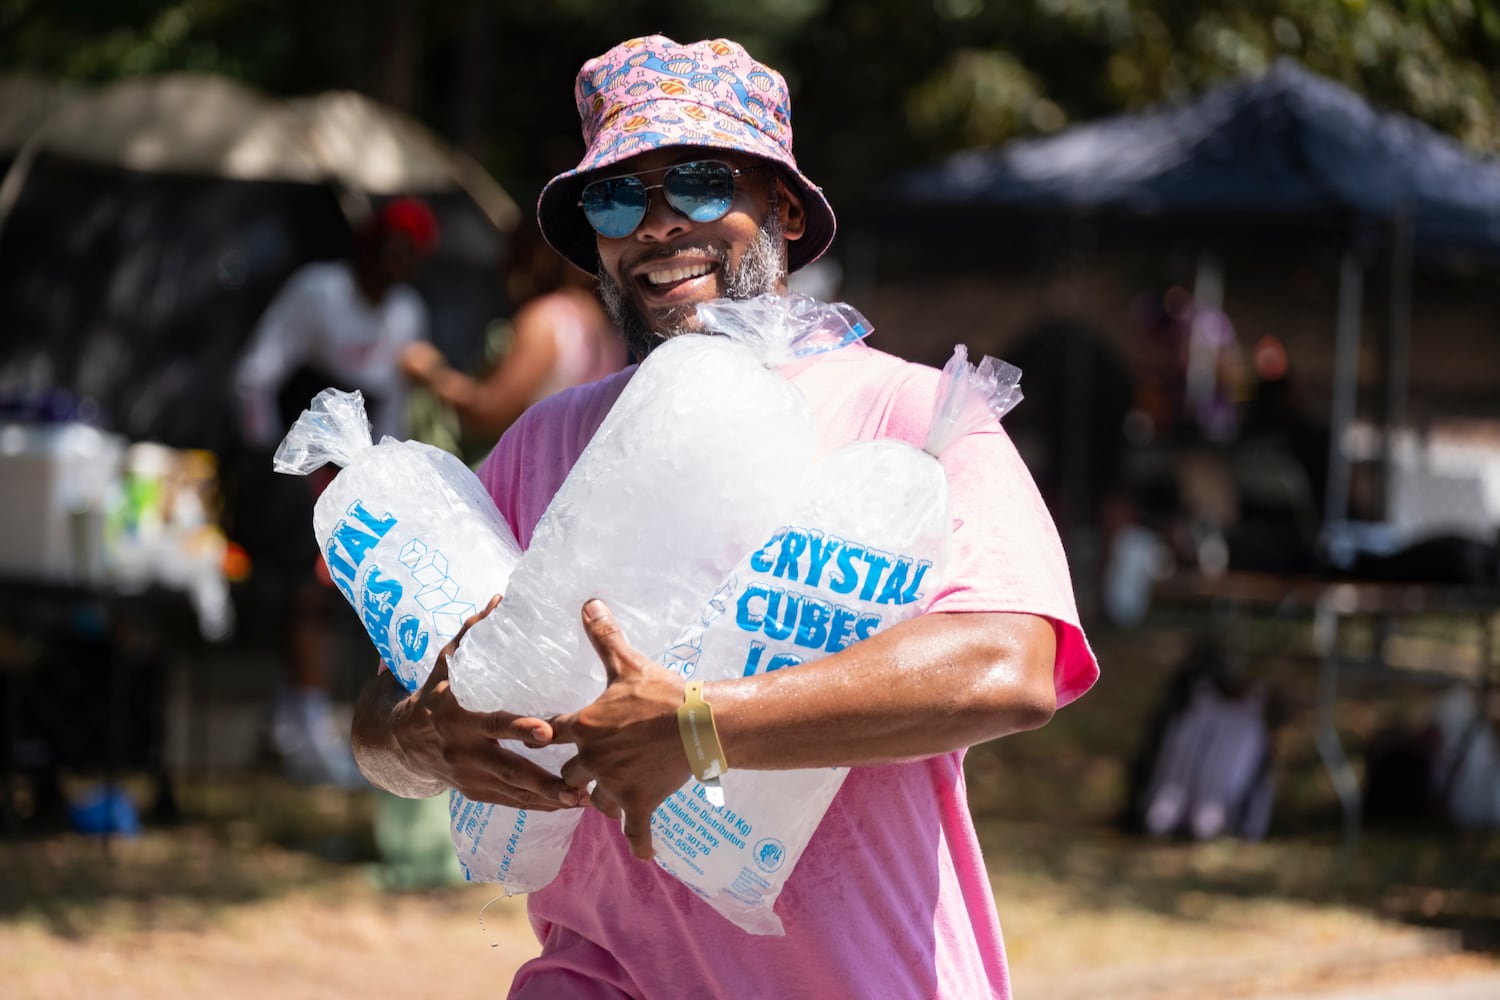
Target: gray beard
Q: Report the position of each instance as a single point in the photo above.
(760, 271)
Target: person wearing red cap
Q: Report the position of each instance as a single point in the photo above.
(687, 192)
(348, 319)
(345, 324)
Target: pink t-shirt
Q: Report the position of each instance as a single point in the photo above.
(891, 897)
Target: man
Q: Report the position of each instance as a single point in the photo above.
(688, 191)
(342, 323)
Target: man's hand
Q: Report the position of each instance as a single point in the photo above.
(628, 741)
(441, 740)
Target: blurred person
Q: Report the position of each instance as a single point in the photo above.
(687, 194)
(1192, 374)
(1071, 434)
(1279, 415)
(343, 324)
(560, 337)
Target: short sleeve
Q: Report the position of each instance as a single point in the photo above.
(1006, 555)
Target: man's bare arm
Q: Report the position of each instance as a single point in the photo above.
(935, 684)
(417, 744)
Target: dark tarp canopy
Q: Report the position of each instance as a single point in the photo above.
(1287, 144)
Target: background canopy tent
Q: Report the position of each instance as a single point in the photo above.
(145, 225)
(1289, 148)
(197, 124)
(1287, 143)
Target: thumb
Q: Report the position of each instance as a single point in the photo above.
(527, 729)
(605, 635)
(469, 623)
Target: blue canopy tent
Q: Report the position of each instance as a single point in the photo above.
(1286, 148)
(1288, 143)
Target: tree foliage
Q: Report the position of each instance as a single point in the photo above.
(878, 84)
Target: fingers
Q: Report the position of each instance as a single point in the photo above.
(515, 781)
(605, 803)
(637, 827)
(575, 775)
(605, 635)
(630, 822)
(478, 615)
(470, 622)
(517, 798)
(635, 821)
(441, 666)
(523, 728)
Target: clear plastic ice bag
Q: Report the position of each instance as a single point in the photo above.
(411, 538)
(691, 468)
(864, 547)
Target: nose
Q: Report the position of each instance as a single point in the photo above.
(662, 221)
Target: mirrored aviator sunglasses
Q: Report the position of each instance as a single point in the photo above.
(702, 190)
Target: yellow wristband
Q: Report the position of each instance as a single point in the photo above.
(695, 720)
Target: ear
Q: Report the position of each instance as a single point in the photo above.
(793, 215)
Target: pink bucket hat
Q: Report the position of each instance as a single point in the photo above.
(653, 93)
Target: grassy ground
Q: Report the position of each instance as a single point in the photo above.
(267, 891)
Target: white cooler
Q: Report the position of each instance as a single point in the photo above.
(56, 481)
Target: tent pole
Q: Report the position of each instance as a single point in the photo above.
(1078, 495)
(16, 175)
(1397, 356)
(1345, 386)
(1203, 352)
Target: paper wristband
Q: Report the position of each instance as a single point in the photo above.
(695, 720)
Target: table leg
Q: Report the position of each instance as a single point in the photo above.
(1488, 673)
(114, 729)
(10, 733)
(1330, 748)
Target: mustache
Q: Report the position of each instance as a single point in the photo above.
(665, 254)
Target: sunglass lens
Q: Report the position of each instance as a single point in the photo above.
(615, 206)
(702, 191)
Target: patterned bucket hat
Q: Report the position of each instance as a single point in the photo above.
(652, 93)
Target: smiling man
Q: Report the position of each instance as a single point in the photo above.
(688, 191)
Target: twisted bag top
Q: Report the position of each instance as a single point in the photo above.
(652, 93)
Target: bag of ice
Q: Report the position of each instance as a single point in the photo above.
(692, 467)
(862, 548)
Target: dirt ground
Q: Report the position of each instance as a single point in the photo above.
(271, 891)
(188, 914)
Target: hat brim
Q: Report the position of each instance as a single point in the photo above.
(562, 221)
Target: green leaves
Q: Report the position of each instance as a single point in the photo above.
(877, 84)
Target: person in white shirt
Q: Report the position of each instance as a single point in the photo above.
(337, 324)
(350, 320)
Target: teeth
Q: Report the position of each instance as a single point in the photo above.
(677, 274)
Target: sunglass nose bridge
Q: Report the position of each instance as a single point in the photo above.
(661, 214)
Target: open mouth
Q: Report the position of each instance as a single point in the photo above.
(665, 278)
